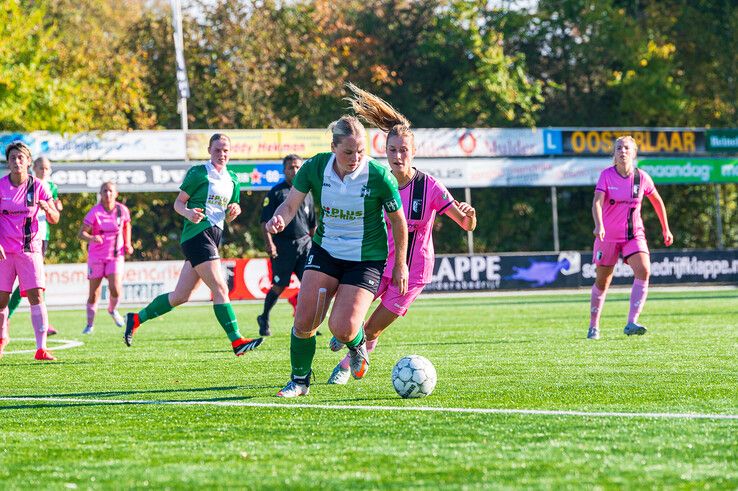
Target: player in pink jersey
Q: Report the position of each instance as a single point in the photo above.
(21, 198)
(107, 229)
(619, 231)
(423, 198)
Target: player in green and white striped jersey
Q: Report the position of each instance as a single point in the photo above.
(207, 199)
(349, 248)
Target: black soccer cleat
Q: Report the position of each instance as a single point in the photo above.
(132, 323)
(263, 326)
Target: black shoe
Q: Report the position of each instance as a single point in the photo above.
(263, 326)
(244, 344)
(132, 324)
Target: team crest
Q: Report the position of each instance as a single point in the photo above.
(365, 191)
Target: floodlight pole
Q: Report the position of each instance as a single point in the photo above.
(183, 87)
(718, 218)
(555, 217)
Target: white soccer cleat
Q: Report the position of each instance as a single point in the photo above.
(359, 361)
(593, 333)
(335, 345)
(340, 376)
(88, 330)
(117, 318)
(632, 328)
(293, 389)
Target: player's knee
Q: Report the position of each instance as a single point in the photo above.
(277, 289)
(176, 298)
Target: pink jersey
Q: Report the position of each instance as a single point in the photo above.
(108, 225)
(19, 214)
(621, 211)
(422, 198)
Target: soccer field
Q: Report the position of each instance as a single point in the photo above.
(523, 400)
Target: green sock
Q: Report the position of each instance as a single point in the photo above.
(357, 340)
(159, 306)
(15, 300)
(227, 318)
(302, 352)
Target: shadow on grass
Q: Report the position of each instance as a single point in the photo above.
(118, 393)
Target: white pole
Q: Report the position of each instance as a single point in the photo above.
(183, 87)
(469, 234)
(555, 216)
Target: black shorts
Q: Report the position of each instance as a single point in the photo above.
(364, 274)
(291, 258)
(203, 247)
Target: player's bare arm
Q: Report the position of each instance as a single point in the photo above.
(285, 212)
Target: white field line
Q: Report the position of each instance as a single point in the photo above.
(463, 410)
(64, 344)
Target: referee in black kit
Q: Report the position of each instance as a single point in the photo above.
(288, 249)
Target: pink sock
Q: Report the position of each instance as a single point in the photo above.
(4, 324)
(638, 295)
(91, 310)
(113, 304)
(40, 321)
(596, 302)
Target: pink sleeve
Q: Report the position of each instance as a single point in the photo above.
(601, 185)
(441, 198)
(89, 218)
(648, 185)
(126, 214)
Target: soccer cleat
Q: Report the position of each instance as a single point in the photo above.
(335, 345)
(241, 346)
(50, 331)
(43, 355)
(88, 330)
(117, 318)
(632, 328)
(593, 333)
(263, 326)
(132, 323)
(359, 360)
(339, 376)
(293, 301)
(294, 389)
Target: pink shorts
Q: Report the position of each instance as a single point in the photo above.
(606, 253)
(28, 267)
(104, 268)
(391, 298)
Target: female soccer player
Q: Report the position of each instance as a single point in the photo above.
(208, 197)
(423, 198)
(107, 229)
(21, 198)
(42, 171)
(349, 248)
(616, 209)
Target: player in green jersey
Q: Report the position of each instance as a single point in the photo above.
(349, 248)
(207, 199)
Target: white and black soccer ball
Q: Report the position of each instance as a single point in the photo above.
(414, 376)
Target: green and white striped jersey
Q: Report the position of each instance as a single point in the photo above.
(212, 191)
(350, 219)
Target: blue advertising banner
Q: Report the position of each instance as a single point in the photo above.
(573, 269)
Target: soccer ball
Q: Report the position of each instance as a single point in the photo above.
(414, 376)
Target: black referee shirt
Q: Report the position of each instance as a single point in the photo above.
(304, 220)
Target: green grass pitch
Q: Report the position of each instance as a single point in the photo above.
(516, 352)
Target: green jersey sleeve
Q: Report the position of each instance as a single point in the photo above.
(305, 178)
(236, 188)
(192, 180)
(389, 193)
(54, 190)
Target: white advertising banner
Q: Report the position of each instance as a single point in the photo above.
(107, 145)
(468, 142)
(67, 284)
(482, 173)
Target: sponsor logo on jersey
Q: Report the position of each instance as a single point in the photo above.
(326, 184)
(342, 214)
(214, 199)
